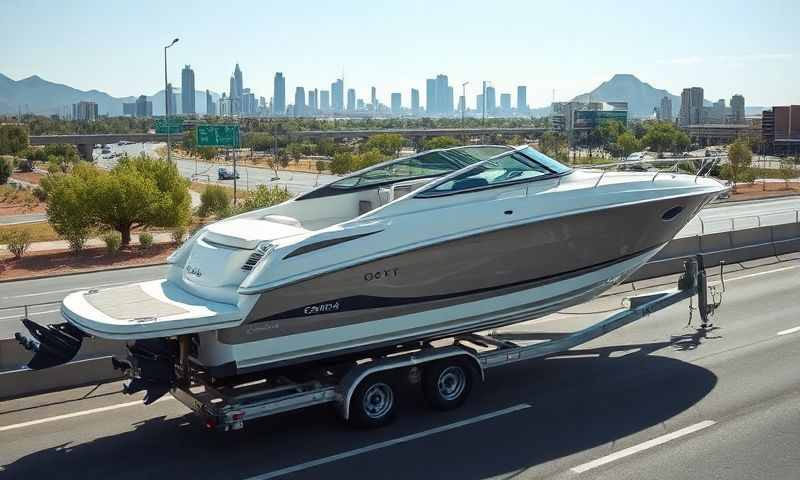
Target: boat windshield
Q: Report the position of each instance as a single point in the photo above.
(429, 164)
(517, 166)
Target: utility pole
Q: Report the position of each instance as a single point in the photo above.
(166, 100)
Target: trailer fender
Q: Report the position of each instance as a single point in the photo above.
(357, 374)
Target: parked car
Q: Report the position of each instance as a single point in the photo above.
(225, 174)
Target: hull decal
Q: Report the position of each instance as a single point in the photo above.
(365, 302)
(325, 243)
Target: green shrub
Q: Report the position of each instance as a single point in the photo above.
(264, 196)
(146, 240)
(18, 242)
(40, 194)
(76, 239)
(113, 241)
(178, 234)
(5, 171)
(214, 200)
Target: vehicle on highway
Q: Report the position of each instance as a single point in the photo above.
(439, 244)
(225, 174)
(106, 149)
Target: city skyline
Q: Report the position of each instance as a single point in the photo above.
(565, 58)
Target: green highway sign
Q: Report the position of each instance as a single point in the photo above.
(173, 125)
(218, 135)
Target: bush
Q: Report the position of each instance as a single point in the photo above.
(113, 241)
(76, 239)
(264, 196)
(5, 171)
(178, 234)
(214, 200)
(146, 240)
(18, 242)
(40, 194)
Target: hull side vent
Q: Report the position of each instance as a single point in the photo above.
(251, 262)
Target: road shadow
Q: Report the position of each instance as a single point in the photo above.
(579, 400)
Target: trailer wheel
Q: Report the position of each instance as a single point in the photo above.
(446, 384)
(374, 402)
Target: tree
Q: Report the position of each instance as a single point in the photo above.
(13, 139)
(137, 192)
(786, 172)
(440, 142)
(5, 170)
(279, 160)
(367, 159)
(628, 144)
(387, 143)
(660, 137)
(258, 141)
(70, 208)
(214, 199)
(342, 163)
(739, 158)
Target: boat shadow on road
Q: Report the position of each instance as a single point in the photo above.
(579, 400)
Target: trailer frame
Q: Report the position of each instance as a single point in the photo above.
(226, 407)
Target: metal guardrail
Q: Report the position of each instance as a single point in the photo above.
(759, 222)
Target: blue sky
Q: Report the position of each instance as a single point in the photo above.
(727, 47)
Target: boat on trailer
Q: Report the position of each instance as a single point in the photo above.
(437, 245)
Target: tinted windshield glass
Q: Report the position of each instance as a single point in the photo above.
(507, 169)
(539, 157)
(431, 164)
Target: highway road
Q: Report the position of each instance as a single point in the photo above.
(250, 177)
(658, 399)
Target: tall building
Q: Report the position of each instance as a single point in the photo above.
(665, 111)
(324, 100)
(444, 95)
(491, 101)
(312, 102)
(522, 99)
(351, 100)
(479, 103)
(505, 102)
(397, 104)
(337, 96)
(144, 108)
(279, 95)
(414, 101)
(238, 83)
(299, 102)
(430, 96)
(170, 99)
(737, 109)
(780, 129)
(187, 91)
(211, 107)
(462, 105)
(374, 99)
(84, 111)
(691, 106)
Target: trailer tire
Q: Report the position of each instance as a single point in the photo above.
(446, 384)
(374, 402)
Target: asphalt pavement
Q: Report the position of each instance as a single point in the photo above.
(659, 399)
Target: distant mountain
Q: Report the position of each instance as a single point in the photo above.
(39, 96)
(642, 98)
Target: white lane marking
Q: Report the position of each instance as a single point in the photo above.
(791, 330)
(643, 446)
(30, 314)
(388, 443)
(73, 289)
(77, 414)
(758, 274)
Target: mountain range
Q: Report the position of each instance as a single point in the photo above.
(39, 96)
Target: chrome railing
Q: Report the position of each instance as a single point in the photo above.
(706, 164)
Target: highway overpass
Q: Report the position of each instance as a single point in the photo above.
(84, 142)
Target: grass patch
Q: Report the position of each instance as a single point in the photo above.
(40, 231)
(11, 195)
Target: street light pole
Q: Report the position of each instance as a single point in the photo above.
(166, 100)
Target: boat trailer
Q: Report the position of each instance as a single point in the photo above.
(364, 391)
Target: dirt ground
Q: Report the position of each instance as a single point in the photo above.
(56, 262)
(753, 191)
(30, 177)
